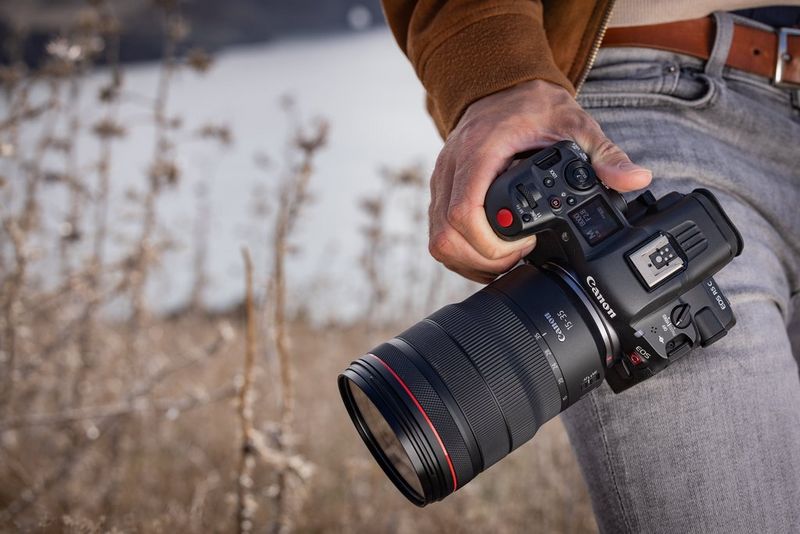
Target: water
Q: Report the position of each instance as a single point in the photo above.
(360, 83)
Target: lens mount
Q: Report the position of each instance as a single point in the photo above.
(602, 327)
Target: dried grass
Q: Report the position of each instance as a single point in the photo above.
(199, 421)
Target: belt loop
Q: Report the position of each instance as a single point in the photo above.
(722, 44)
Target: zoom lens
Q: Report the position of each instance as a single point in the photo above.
(458, 391)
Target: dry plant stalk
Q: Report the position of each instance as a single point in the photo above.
(379, 243)
(163, 171)
(55, 381)
(107, 130)
(293, 197)
(202, 227)
(245, 503)
(375, 246)
(19, 229)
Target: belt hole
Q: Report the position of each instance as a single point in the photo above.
(756, 51)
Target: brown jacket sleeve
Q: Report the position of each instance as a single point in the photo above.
(463, 50)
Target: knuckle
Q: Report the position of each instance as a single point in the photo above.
(605, 146)
(440, 246)
(458, 215)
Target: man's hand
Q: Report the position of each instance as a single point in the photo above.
(529, 115)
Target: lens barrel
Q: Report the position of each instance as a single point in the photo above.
(475, 380)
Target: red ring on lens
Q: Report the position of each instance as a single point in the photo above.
(427, 419)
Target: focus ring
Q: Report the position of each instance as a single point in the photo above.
(543, 401)
(467, 387)
(508, 357)
(433, 408)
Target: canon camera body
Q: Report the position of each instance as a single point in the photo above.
(616, 290)
(646, 266)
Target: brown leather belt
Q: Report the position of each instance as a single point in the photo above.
(774, 55)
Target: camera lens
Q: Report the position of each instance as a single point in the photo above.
(458, 391)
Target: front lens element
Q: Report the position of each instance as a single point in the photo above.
(384, 437)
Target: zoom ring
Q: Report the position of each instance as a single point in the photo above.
(506, 354)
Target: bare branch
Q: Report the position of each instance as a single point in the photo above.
(245, 503)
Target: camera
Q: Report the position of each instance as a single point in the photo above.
(613, 291)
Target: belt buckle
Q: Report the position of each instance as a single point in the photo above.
(783, 56)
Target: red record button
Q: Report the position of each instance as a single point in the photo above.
(504, 217)
(635, 358)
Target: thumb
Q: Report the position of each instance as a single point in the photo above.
(614, 167)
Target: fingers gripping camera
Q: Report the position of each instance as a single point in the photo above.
(646, 266)
(612, 290)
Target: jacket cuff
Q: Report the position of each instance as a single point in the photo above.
(485, 57)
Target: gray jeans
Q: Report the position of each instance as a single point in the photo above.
(712, 444)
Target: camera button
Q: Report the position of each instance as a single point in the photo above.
(529, 193)
(549, 182)
(580, 176)
(504, 217)
(681, 315)
(555, 203)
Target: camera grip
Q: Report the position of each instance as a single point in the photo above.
(536, 192)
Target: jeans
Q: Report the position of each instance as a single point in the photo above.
(712, 444)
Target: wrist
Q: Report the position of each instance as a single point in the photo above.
(517, 100)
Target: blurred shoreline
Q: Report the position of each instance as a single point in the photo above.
(361, 84)
(215, 25)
